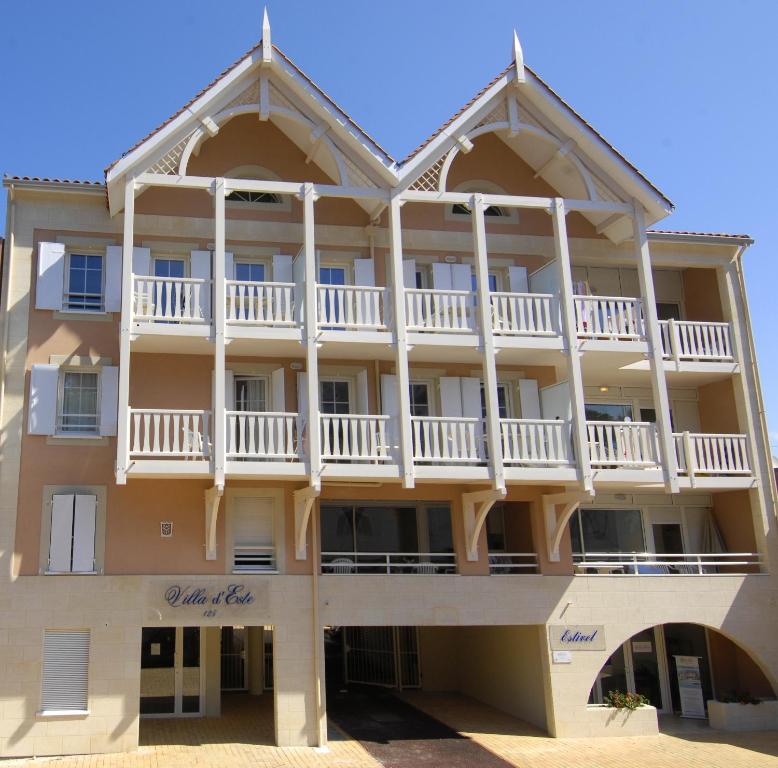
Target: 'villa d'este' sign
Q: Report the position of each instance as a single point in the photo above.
(233, 595)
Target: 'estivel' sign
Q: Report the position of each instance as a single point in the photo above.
(577, 637)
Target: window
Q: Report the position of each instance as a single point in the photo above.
(84, 291)
(608, 412)
(460, 209)
(79, 403)
(65, 682)
(334, 397)
(250, 271)
(668, 310)
(253, 534)
(253, 197)
(72, 533)
(502, 401)
(607, 531)
(250, 393)
(420, 398)
(495, 529)
(492, 282)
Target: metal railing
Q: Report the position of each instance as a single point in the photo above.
(524, 314)
(413, 563)
(171, 299)
(262, 435)
(711, 454)
(354, 437)
(253, 559)
(693, 340)
(608, 317)
(652, 564)
(169, 434)
(439, 311)
(351, 307)
(622, 444)
(536, 442)
(512, 562)
(445, 440)
(259, 303)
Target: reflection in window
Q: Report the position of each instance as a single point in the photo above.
(607, 531)
(79, 402)
(85, 283)
(254, 197)
(463, 210)
(608, 412)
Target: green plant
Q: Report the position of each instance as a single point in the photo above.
(621, 700)
(736, 697)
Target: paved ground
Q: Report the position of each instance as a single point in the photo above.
(244, 737)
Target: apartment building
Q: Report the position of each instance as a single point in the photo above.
(281, 413)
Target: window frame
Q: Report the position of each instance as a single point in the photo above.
(236, 377)
(59, 431)
(276, 496)
(257, 172)
(509, 215)
(70, 713)
(66, 292)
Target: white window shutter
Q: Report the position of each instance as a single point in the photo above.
(364, 272)
(390, 406)
(441, 277)
(61, 537)
(200, 268)
(109, 399)
(252, 522)
(84, 517)
(141, 261)
(50, 285)
(556, 401)
(65, 678)
(113, 278)
(229, 390)
(278, 385)
(282, 268)
(517, 277)
(409, 273)
(298, 278)
(229, 266)
(42, 415)
(529, 397)
(461, 277)
(362, 395)
(450, 397)
(302, 398)
(471, 398)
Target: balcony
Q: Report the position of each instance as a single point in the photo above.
(508, 563)
(713, 460)
(622, 444)
(171, 300)
(262, 436)
(260, 304)
(354, 438)
(654, 564)
(701, 348)
(524, 314)
(351, 307)
(536, 442)
(448, 441)
(388, 563)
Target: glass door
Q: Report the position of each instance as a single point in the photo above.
(333, 311)
(168, 300)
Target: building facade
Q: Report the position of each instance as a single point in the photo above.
(280, 411)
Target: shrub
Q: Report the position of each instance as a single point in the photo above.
(735, 697)
(621, 700)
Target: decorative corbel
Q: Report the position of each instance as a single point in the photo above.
(213, 497)
(267, 43)
(513, 115)
(518, 60)
(475, 508)
(465, 145)
(317, 135)
(555, 520)
(303, 505)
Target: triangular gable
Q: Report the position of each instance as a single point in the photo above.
(278, 91)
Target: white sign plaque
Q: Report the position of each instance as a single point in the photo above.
(562, 657)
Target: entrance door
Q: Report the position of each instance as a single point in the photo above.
(233, 659)
(384, 656)
(171, 683)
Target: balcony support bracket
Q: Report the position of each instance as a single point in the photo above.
(303, 505)
(213, 497)
(475, 508)
(556, 519)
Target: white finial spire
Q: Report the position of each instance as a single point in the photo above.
(267, 46)
(518, 58)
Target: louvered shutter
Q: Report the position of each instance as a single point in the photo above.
(441, 276)
(298, 278)
(200, 267)
(278, 387)
(65, 684)
(109, 399)
(84, 517)
(450, 396)
(530, 399)
(302, 399)
(141, 261)
(252, 523)
(362, 394)
(50, 284)
(461, 277)
(229, 266)
(409, 273)
(471, 398)
(42, 414)
(282, 268)
(517, 277)
(61, 536)
(113, 278)
(390, 407)
(364, 272)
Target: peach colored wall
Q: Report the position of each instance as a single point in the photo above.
(732, 511)
(734, 671)
(701, 295)
(244, 140)
(718, 413)
(518, 527)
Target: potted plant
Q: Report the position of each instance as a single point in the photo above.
(740, 711)
(622, 700)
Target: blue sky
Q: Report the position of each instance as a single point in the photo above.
(685, 89)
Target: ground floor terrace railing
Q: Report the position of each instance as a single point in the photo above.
(609, 317)
(169, 434)
(692, 340)
(260, 303)
(393, 563)
(622, 444)
(262, 436)
(351, 307)
(653, 564)
(447, 440)
(505, 563)
(712, 455)
(540, 442)
(354, 438)
(171, 300)
(524, 314)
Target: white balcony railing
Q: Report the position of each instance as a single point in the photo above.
(536, 442)
(439, 311)
(171, 299)
(608, 317)
(354, 438)
(169, 434)
(351, 307)
(689, 340)
(262, 435)
(524, 314)
(512, 562)
(622, 444)
(259, 303)
(652, 564)
(410, 563)
(253, 559)
(712, 455)
(441, 440)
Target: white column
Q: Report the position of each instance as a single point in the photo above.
(219, 395)
(401, 343)
(655, 357)
(311, 353)
(123, 424)
(574, 375)
(489, 363)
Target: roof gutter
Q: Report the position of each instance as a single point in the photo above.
(742, 241)
(41, 185)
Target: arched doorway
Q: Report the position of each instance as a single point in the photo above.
(653, 661)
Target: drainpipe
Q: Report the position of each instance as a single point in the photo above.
(318, 641)
(7, 251)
